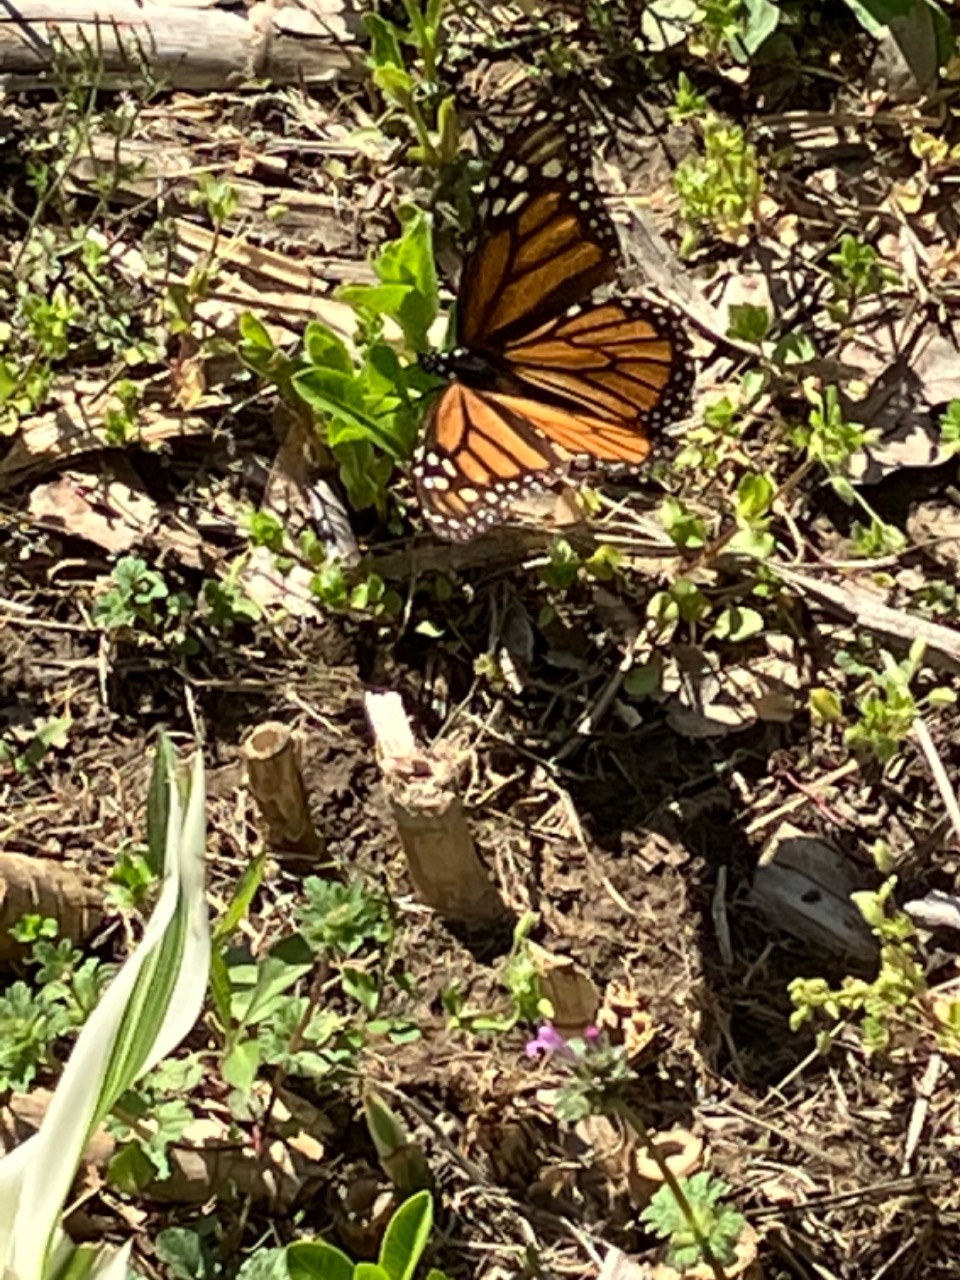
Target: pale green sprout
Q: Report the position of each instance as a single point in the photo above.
(151, 1005)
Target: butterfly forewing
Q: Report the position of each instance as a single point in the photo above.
(544, 238)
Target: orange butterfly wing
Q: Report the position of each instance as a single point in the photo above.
(591, 385)
(544, 240)
(539, 378)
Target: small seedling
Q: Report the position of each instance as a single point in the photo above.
(828, 436)
(893, 1011)
(876, 539)
(266, 1020)
(720, 190)
(858, 273)
(887, 709)
(404, 1243)
(521, 979)
(686, 529)
(719, 1225)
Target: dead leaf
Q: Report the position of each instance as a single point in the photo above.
(710, 696)
(109, 512)
(934, 527)
(804, 885)
(72, 430)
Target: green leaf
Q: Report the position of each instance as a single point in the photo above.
(686, 529)
(339, 397)
(384, 42)
(360, 985)
(406, 1236)
(762, 17)
(181, 1252)
(254, 332)
(395, 84)
(220, 990)
(316, 1260)
(825, 705)
(129, 1169)
(754, 494)
(376, 299)
(794, 348)
(158, 802)
(364, 473)
(748, 322)
(407, 262)
(875, 15)
(259, 989)
(941, 697)
(737, 623)
(418, 26)
(243, 894)
(448, 130)
(241, 1064)
(324, 348)
(642, 681)
(369, 1271)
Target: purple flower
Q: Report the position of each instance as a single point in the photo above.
(549, 1040)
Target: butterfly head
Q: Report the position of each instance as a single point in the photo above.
(468, 367)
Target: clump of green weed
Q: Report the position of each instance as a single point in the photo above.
(719, 190)
(887, 708)
(894, 1010)
(35, 1016)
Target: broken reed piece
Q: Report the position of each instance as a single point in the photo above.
(421, 785)
(573, 996)
(679, 1149)
(276, 783)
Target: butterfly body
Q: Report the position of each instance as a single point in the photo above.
(542, 374)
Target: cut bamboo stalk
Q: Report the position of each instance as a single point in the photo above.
(42, 887)
(573, 997)
(113, 41)
(276, 783)
(442, 859)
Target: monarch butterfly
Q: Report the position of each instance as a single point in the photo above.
(542, 375)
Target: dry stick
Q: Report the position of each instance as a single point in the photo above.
(947, 793)
(190, 49)
(276, 783)
(421, 786)
(921, 1109)
(863, 607)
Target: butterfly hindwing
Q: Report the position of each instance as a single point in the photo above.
(626, 360)
(481, 450)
